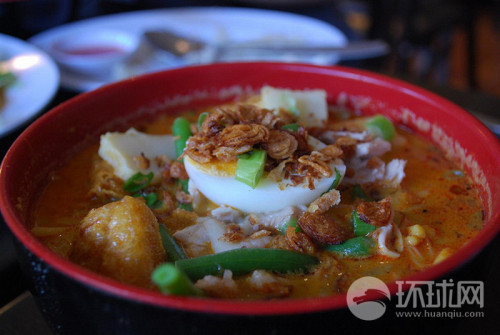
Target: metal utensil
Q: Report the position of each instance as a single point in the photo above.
(180, 46)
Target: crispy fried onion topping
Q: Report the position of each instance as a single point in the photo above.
(232, 130)
(322, 228)
(377, 213)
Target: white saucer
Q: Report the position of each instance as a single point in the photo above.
(37, 81)
(209, 24)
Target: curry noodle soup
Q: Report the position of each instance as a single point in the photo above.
(275, 196)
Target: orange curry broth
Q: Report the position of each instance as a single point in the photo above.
(445, 204)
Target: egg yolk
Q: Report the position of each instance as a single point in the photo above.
(215, 167)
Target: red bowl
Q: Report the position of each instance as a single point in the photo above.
(66, 129)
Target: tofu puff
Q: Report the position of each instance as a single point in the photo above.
(120, 240)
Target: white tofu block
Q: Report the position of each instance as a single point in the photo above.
(310, 105)
(121, 150)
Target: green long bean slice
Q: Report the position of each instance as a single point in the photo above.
(290, 223)
(381, 126)
(171, 280)
(250, 167)
(357, 247)
(137, 182)
(291, 126)
(182, 130)
(184, 184)
(172, 249)
(335, 182)
(241, 261)
(201, 119)
(361, 228)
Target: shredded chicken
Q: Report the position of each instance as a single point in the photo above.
(362, 155)
(195, 194)
(266, 283)
(194, 239)
(220, 287)
(377, 147)
(275, 220)
(221, 236)
(374, 170)
(394, 172)
(227, 214)
(105, 185)
(331, 136)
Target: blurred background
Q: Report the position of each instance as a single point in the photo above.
(450, 47)
(442, 42)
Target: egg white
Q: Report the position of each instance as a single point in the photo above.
(268, 196)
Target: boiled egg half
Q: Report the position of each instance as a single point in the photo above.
(216, 181)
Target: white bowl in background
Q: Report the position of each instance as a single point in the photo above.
(94, 51)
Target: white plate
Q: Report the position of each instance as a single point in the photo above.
(210, 24)
(36, 84)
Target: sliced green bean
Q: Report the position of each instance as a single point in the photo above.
(172, 249)
(250, 167)
(361, 246)
(335, 182)
(181, 128)
(186, 207)
(292, 126)
(152, 200)
(381, 126)
(241, 261)
(171, 280)
(290, 223)
(201, 119)
(137, 182)
(184, 185)
(361, 228)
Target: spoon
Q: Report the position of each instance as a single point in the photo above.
(180, 46)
